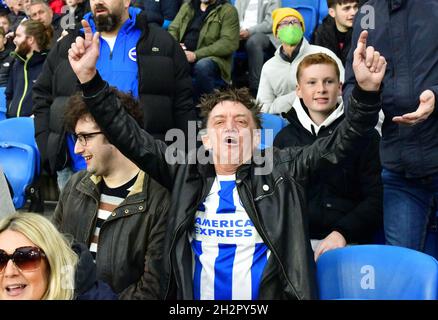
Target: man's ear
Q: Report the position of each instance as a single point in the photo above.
(31, 40)
(205, 139)
(340, 89)
(332, 12)
(257, 137)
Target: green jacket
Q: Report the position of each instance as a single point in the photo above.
(218, 38)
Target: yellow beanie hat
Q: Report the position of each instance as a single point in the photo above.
(281, 13)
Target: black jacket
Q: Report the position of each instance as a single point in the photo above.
(325, 36)
(130, 240)
(272, 193)
(164, 9)
(57, 29)
(165, 91)
(21, 80)
(346, 198)
(6, 61)
(405, 34)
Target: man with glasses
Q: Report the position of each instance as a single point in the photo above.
(278, 81)
(113, 207)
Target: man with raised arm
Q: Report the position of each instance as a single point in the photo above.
(237, 227)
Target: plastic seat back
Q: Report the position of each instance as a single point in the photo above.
(377, 272)
(271, 126)
(18, 163)
(20, 130)
(320, 6)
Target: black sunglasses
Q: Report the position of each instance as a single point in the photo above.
(25, 258)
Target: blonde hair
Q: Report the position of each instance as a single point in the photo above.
(62, 260)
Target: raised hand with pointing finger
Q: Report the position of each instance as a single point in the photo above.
(84, 53)
(368, 65)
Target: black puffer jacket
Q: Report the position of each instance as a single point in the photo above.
(165, 91)
(325, 36)
(272, 193)
(6, 61)
(346, 198)
(130, 240)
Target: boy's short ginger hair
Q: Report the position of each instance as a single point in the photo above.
(317, 58)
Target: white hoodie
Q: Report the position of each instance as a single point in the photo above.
(308, 123)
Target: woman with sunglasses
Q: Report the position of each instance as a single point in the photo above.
(37, 263)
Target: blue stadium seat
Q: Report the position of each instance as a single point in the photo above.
(310, 17)
(19, 158)
(273, 122)
(21, 130)
(377, 272)
(18, 163)
(319, 5)
(2, 103)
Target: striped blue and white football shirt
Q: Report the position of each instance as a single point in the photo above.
(229, 254)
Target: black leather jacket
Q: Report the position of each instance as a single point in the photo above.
(274, 201)
(130, 240)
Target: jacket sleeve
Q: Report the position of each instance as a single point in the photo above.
(228, 40)
(42, 98)
(58, 214)
(435, 91)
(175, 26)
(126, 135)
(271, 103)
(9, 91)
(184, 109)
(280, 104)
(350, 79)
(169, 9)
(266, 25)
(360, 118)
(364, 219)
(148, 287)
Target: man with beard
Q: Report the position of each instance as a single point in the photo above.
(136, 56)
(31, 40)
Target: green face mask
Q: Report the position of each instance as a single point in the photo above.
(290, 35)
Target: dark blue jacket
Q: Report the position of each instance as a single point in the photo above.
(405, 32)
(22, 76)
(166, 10)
